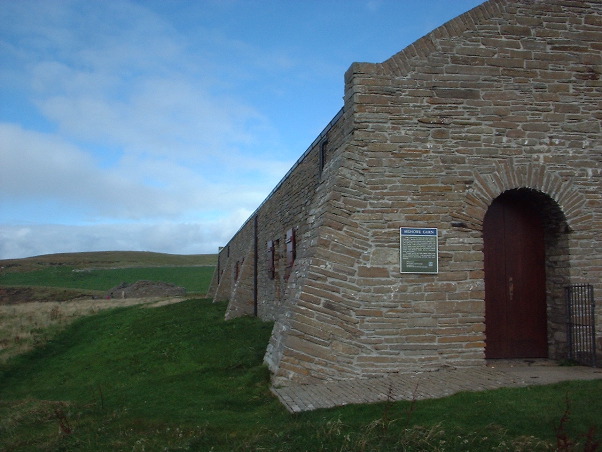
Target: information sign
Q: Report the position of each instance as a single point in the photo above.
(419, 250)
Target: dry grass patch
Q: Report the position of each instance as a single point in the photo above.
(26, 325)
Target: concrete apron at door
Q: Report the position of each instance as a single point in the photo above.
(429, 385)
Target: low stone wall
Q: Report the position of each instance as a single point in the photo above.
(143, 289)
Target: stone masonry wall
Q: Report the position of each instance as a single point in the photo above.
(504, 97)
(287, 208)
(507, 97)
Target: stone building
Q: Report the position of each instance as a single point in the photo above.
(439, 217)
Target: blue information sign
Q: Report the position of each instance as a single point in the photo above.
(419, 250)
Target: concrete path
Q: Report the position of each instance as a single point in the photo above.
(425, 385)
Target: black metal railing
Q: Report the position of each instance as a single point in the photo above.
(581, 325)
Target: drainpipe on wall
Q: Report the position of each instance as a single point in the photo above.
(218, 267)
(255, 261)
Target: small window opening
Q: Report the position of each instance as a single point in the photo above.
(271, 259)
(291, 248)
(323, 149)
(238, 268)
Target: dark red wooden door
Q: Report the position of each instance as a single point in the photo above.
(515, 289)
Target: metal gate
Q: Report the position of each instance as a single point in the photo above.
(581, 323)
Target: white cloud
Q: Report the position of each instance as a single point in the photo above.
(175, 117)
(167, 123)
(36, 167)
(137, 126)
(373, 5)
(177, 238)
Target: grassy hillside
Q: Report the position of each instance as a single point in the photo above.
(107, 259)
(181, 378)
(38, 302)
(194, 279)
(59, 277)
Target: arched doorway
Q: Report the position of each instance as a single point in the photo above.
(515, 278)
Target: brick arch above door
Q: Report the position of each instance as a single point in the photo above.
(510, 175)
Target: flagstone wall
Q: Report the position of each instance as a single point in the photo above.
(505, 97)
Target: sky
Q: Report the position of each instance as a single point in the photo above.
(161, 125)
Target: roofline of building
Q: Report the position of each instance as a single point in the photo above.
(319, 138)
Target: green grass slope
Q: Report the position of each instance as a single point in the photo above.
(194, 279)
(181, 378)
(132, 371)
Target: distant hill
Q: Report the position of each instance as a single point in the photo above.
(108, 259)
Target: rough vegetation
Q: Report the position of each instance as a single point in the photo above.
(81, 376)
(24, 326)
(73, 276)
(42, 295)
(143, 289)
(106, 259)
(16, 295)
(181, 378)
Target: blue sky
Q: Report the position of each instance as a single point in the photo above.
(160, 125)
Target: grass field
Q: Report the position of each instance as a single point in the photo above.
(24, 326)
(107, 259)
(179, 377)
(98, 375)
(44, 294)
(194, 279)
(59, 277)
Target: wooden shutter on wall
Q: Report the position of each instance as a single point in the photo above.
(291, 247)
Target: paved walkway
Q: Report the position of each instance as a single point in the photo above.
(425, 385)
